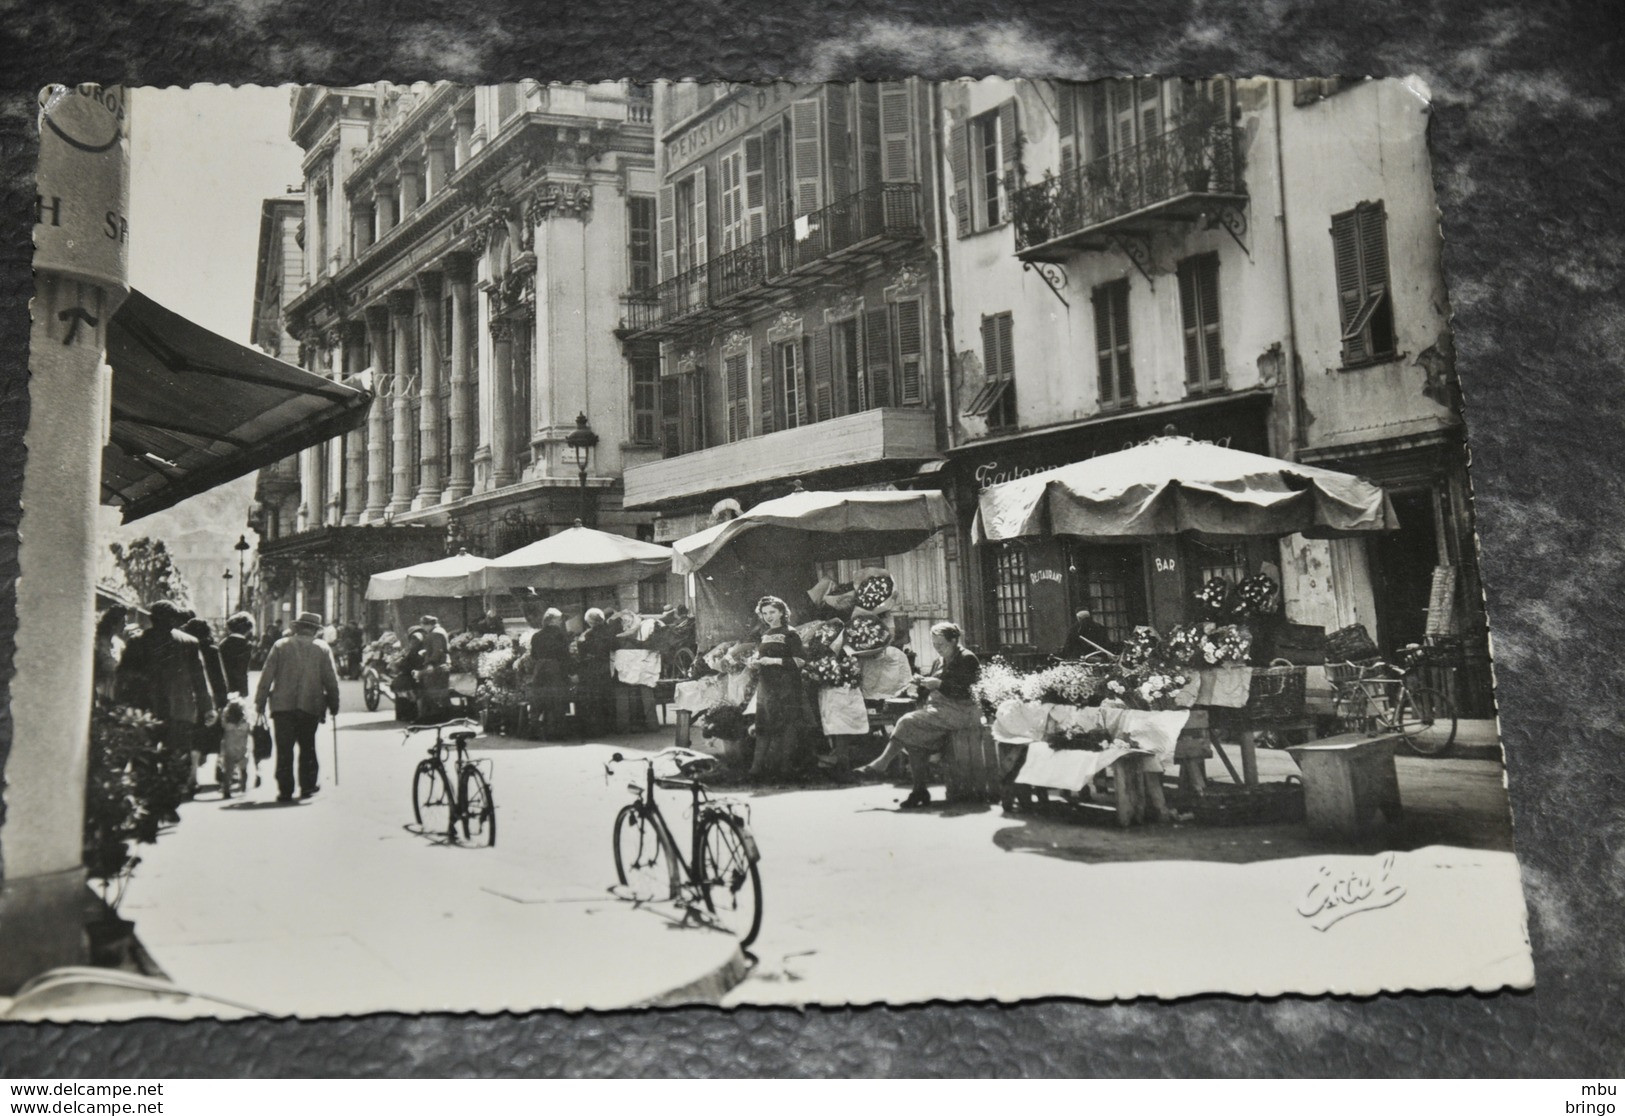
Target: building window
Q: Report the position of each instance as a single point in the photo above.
(1113, 357)
(790, 382)
(736, 371)
(1365, 308)
(985, 137)
(1010, 597)
(640, 242)
(681, 416)
(983, 155)
(1228, 562)
(1199, 312)
(910, 345)
(996, 402)
(848, 368)
(645, 398)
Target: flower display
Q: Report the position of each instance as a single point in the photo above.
(875, 592)
(1074, 739)
(1259, 595)
(997, 683)
(388, 648)
(832, 670)
(1157, 689)
(465, 649)
(1142, 645)
(1183, 646)
(1226, 644)
(1217, 597)
(865, 633)
(724, 722)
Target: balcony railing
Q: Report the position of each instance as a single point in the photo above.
(1187, 167)
(783, 257)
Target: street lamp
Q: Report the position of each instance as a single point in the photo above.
(582, 440)
(227, 576)
(242, 548)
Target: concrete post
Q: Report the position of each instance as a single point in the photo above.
(461, 481)
(400, 312)
(378, 418)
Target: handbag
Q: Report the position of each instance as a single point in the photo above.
(263, 746)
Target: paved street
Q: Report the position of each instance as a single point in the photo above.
(335, 906)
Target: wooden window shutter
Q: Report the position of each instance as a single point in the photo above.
(866, 140)
(897, 133)
(1066, 105)
(1190, 321)
(668, 232)
(877, 355)
(701, 229)
(990, 348)
(671, 414)
(837, 146)
(736, 371)
(755, 189)
(1207, 292)
(1009, 154)
(805, 411)
(909, 351)
(1374, 247)
(959, 163)
(807, 151)
(823, 407)
(1100, 125)
(1007, 346)
(768, 368)
(1350, 290)
(1120, 335)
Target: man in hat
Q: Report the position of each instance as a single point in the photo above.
(1088, 637)
(301, 685)
(162, 672)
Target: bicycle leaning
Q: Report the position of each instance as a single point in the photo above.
(1377, 696)
(437, 807)
(719, 880)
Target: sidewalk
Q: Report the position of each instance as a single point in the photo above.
(335, 906)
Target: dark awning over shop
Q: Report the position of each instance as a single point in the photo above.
(193, 410)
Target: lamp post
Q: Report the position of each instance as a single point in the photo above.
(582, 440)
(242, 549)
(227, 576)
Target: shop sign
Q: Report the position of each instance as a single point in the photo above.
(1045, 575)
(750, 104)
(81, 227)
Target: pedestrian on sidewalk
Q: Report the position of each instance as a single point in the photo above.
(234, 732)
(550, 674)
(236, 650)
(783, 730)
(162, 672)
(301, 686)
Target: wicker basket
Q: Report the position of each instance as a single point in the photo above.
(1276, 694)
(1339, 674)
(1262, 804)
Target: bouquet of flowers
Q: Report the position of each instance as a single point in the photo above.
(1259, 595)
(865, 633)
(875, 592)
(832, 670)
(465, 649)
(1217, 597)
(1226, 644)
(1184, 645)
(1070, 684)
(997, 683)
(388, 648)
(724, 722)
(1142, 645)
(1074, 739)
(1149, 687)
(497, 666)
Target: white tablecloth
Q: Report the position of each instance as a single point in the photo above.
(637, 667)
(699, 695)
(1029, 722)
(1072, 769)
(842, 712)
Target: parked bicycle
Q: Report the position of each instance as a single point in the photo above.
(718, 881)
(1378, 696)
(437, 807)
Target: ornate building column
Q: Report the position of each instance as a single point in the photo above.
(355, 442)
(378, 416)
(429, 410)
(404, 467)
(461, 481)
(501, 403)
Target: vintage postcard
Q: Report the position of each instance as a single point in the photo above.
(589, 546)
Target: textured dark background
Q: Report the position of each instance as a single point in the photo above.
(1527, 139)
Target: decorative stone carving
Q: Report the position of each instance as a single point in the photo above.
(844, 305)
(734, 340)
(501, 329)
(908, 275)
(559, 199)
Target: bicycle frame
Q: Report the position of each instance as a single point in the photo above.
(1376, 694)
(458, 745)
(704, 808)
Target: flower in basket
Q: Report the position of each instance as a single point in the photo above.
(724, 722)
(1226, 644)
(1259, 595)
(865, 633)
(1184, 645)
(997, 683)
(1070, 683)
(875, 592)
(1140, 647)
(832, 670)
(1217, 597)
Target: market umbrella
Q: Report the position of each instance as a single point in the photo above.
(577, 558)
(819, 527)
(444, 577)
(1173, 484)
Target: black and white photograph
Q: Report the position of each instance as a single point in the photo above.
(596, 546)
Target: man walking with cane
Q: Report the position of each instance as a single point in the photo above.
(301, 685)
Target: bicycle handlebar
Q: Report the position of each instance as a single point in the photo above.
(460, 722)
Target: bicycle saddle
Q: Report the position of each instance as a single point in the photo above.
(463, 735)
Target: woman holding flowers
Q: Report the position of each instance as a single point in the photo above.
(783, 734)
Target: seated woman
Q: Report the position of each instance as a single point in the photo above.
(949, 709)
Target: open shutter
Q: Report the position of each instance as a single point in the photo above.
(909, 351)
(806, 118)
(1207, 297)
(959, 164)
(767, 365)
(671, 414)
(1192, 324)
(1007, 346)
(1125, 354)
(1350, 291)
(823, 407)
(668, 232)
(990, 348)
(755, 190)
(805, 412)
(1009, 155)
(730, 198)
(1066, 99)
(1105, 347)
(869, 136)
(736, 370)
(897, 133)
(838, 145)
(1373, 247)
(877, 355)
(1100, 125)
(702, 251)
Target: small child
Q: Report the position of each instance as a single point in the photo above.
(234, 745)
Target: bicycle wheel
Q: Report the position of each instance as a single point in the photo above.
(370, 693)
(732, 885)
(431, 799)
(479, 808)
(645, 862)
(1427, 720)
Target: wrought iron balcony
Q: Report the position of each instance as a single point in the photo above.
(802, 252)
(1189, 172)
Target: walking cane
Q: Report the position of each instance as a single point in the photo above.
(335, 749)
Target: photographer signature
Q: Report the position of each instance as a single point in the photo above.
(1332, 898)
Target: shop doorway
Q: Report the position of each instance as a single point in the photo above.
(1405, 560)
